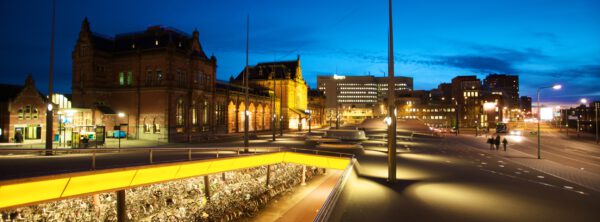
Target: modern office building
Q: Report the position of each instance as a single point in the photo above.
(355, 98)
(506, 86)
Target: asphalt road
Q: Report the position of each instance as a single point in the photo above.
(441, 179)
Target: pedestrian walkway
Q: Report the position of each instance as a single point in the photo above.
(568, 173)
(302, 204)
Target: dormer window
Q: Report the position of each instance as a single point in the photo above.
(155, 42)
(179, 44)
(133, 46)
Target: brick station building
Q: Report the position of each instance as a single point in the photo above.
(22, 110)
(163, 86)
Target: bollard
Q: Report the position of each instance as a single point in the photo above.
(189, 154)
(268, 176)
(206, 188)
(150, 156)
(303, 175)
(121, 209)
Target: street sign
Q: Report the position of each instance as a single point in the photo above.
(572, 117)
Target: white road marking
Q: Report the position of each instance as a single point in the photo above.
(541, 177)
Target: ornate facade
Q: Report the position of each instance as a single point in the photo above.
(284, 78)
(159, 79)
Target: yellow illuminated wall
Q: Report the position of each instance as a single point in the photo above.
(22, 192)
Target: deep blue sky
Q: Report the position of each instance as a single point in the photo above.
(542, 41)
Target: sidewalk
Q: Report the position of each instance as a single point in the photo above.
(571, 174)
(302, 204)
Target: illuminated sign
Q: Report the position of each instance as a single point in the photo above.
(335, 76)
(546, 113)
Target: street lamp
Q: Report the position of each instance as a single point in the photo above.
(391, 143)
(583, 102)
(121, 115)
(555, 87)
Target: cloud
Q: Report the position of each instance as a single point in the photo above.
(550, 37)
(480, 64)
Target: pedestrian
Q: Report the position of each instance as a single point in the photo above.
(18, 137)
(497, 141)
(491, 142)
(504, 142)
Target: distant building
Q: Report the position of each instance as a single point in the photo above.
(356, 98)
(505, 85)
(525, 104)
(466, 94)
(22, 111)
(284, 78)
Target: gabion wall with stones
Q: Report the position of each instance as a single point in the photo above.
(239, 194)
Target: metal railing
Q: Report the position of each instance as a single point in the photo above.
(327, 208)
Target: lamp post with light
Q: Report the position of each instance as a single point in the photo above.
(539, 145)
(584, 103)
(391, 143)
(49, 115)
(121, 115)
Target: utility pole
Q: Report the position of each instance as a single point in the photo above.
(281, 102)
(246, 116)
(49, 115)
(274, 116)
(391, 104)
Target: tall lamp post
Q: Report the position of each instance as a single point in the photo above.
(539, 145)
(596, 105)
(246, 104)
(121, 115)
(49, 115)
(391, 104)
(584, 103)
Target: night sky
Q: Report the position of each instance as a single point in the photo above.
(542, 41)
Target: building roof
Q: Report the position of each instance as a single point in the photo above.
(262, 70)
(258, 91)
(154, 37)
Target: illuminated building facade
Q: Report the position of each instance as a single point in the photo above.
(160, 79)
(466, 95)
(356, 98)
(284, 78)
(230, 107)
(22, 111)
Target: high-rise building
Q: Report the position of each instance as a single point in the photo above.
(525, 104)
(466, 94)
(504, 85)
(355, 98)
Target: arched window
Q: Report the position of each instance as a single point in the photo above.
(20, 113)
(205, 114)
(156, 126)
(34, 114)
(27, 112)
(194, 112)
(179, 120)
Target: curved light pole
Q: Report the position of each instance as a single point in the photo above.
(555, 87)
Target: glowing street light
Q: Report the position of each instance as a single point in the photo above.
(121, 115)
(555, 87)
